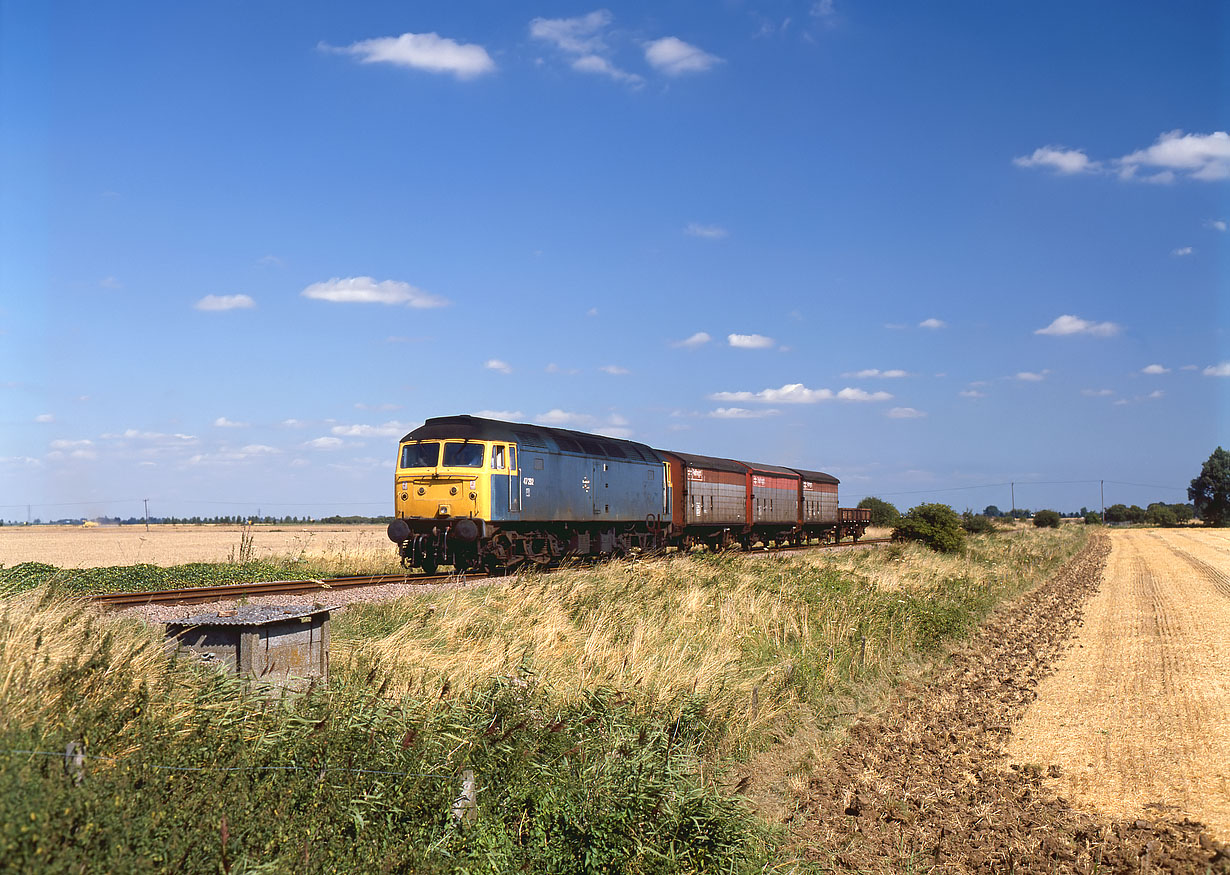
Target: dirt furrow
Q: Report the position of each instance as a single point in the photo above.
(927, 786)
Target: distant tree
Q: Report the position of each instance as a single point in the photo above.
(1093, 519)
(1117, 513)
(1210, 492)
(882, 513)
(977, 524)
(936, 525)
(1161, 515)
(992, 511)
(1047, 519)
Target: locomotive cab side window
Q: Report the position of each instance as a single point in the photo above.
(512, 458)
(420, 455)
(463, 455)
(497, 457)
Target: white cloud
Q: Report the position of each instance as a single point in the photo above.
(271, 261)
(293, 423)
(1182, 250)
(1156, 393)
(581, 35)
(822, 8)
(849, 394)
(972, 393)
(555, 416)
(389, 429)
(742, 413)
(1059, 159)
(259, 450)
(700, 338)
(1097, 393)
(497, 365)
(600, 65)
(876, 372)
(905, 413)
(673, 56)
(223, 422)
(1219, 370)
(110, 282)
(422, 51)
(324, 443)
(797, 393)
(45, 417)
(499, 414)
(615, 370)
(749, 341)
(708, 232)
(1031, 376)
(1154, 369)
(71, 445)
(1067, 325)
(932, 323)
(1198, 156)
(365, 290)
(1216, 224)
(220, 303)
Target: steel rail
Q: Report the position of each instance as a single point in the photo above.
(194, 595)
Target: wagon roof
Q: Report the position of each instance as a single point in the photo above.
(529, 436)
(817, 476)
(773, 469)
(712, 463)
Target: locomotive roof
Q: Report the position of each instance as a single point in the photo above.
(816, 476)
(712, 463)
(529, 436)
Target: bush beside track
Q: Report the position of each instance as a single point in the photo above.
(146, 578)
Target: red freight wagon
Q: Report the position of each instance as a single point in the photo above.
(819, 500)
(772, 501)
(709, 497)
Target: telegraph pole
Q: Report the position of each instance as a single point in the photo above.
(146, 500)
(1102, 488)
(1013, 485)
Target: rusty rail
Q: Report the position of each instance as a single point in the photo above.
(200, 594)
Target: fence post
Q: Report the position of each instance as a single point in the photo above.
(465, 806)
(74, 761)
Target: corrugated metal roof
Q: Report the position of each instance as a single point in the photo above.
(476, 428)
(253, 615)
(816, 476)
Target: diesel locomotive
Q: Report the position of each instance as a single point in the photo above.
(482, 493)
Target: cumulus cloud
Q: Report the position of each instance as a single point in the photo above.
(700, 338)
(498, 365)
(324, 443)
(1097, 393)
(1066, 325)
(1196, 156)
(556, 416)
(389, 429)
(223, 422)
(584, 37)
(1059, 159)
(220, 303)
(1182, 250)
(932, 323)
(1216, 224)
(972, 393)
(1219, 370)
(742, 413)
(422, 51)
(749, 341)
(876, 372)
(602, 66)
(674, 57)
(365, 290)
(905, 413)
(615, 370)
(708, 232)
(498, 414)
(1031, 376)
(71, 445)
(45, 417)
(1154, 369)
(797, 393)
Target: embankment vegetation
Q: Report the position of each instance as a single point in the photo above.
(606, 714)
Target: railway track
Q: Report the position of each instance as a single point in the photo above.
(196, 595)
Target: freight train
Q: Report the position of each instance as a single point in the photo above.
(482, 493)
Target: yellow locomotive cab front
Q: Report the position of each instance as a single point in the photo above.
(442, 479)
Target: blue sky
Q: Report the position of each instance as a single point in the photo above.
(927, 248)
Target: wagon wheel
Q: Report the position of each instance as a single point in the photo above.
(430, 565)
